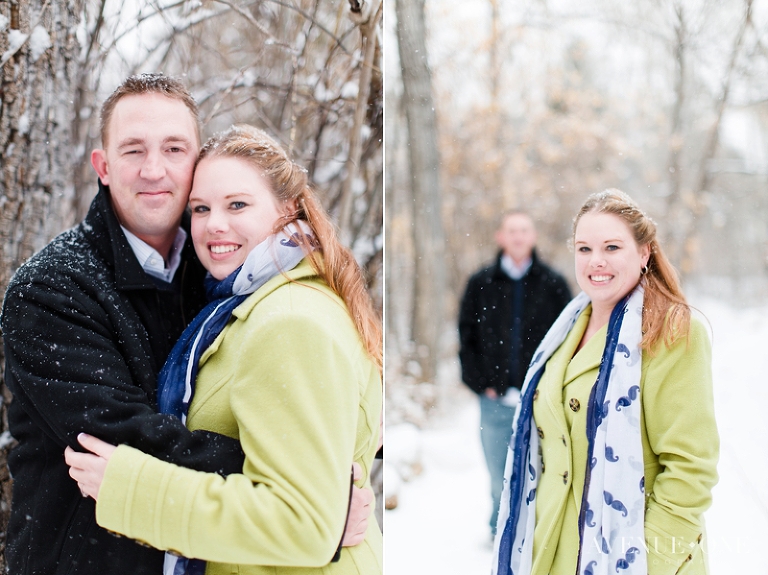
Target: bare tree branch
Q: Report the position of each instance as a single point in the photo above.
(368, 32)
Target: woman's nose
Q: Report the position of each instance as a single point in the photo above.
(597, 260)
(216, 222)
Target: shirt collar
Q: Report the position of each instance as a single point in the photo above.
(150, 259)
(513, 270)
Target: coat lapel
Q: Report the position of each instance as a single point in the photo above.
(556, 372)
(588, 357)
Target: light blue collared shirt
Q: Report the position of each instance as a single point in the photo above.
(151, 260)
(512, 269)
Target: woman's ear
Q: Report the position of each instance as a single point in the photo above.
(290, 207)
(645, 253)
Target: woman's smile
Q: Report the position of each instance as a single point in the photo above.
(223, 249)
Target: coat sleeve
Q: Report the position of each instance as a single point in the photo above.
(680, 424)
(66, 370)
(296, 396)
(470, 350)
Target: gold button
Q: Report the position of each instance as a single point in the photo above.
(575, 405)
(541, 432)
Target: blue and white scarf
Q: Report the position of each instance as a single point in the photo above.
(611, 520)
(278, 253)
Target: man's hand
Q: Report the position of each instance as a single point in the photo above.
(88, 468)
(359, 512)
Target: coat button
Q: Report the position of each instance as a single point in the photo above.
(565, 478)
(541, 432)
(575, 405)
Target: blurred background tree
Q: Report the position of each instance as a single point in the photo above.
(308, 71)
(540, 103)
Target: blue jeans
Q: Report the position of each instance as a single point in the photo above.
(495, 432)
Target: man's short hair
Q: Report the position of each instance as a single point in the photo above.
(148, 84)
(513, 212)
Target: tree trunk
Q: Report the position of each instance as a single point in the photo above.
(368, 32)
(704, 177)
(39, 71)
(496, 160)
(675, 204)
(424, 162)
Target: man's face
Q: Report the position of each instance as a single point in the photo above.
(516, 236)
(147, 164)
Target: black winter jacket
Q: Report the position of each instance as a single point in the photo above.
(86, 331)
(485, 323)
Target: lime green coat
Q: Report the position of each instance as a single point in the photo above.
(292, 380)
(680, 451)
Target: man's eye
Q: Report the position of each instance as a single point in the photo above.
(175, 150)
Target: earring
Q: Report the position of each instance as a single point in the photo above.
(644, 270)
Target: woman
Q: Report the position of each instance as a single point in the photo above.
(289, 356)
(615, 445)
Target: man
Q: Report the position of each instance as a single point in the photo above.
(506, 311)
(87, 325)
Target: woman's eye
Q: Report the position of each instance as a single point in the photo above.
(199, 209)
(237, 205)
(612, 248)
(584, 249)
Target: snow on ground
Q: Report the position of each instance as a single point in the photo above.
(440, 524)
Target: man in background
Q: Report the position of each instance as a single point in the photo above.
(506, 310)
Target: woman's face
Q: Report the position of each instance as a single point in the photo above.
(233, 210)
(608, 259)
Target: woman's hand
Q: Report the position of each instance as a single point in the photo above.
(88, 468)
(359, 511)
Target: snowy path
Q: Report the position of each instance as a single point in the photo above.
(440, 523)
